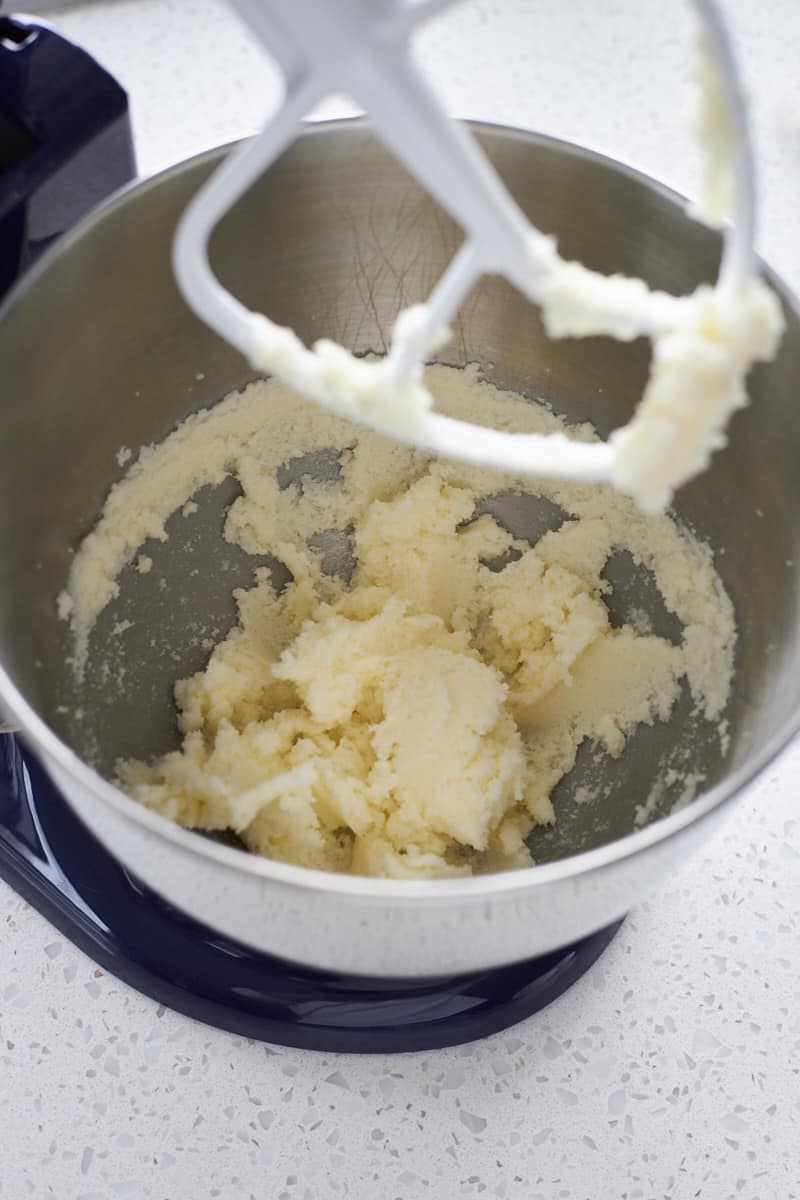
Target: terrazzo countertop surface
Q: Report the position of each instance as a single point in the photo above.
(672, 1070)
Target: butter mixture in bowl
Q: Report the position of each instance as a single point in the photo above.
(407, 685)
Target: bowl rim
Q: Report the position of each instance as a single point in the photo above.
(56, 753)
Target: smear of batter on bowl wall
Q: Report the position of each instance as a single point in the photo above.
(410, 716)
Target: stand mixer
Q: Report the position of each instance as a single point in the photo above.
(260, 947)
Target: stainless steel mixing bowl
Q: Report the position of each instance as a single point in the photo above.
(98, 351)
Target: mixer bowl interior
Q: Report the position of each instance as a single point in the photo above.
(333, 241)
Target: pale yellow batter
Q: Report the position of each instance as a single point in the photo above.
(414, 720)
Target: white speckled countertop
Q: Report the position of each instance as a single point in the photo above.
(673, 1069)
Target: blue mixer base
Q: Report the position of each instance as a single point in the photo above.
(56, 864)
